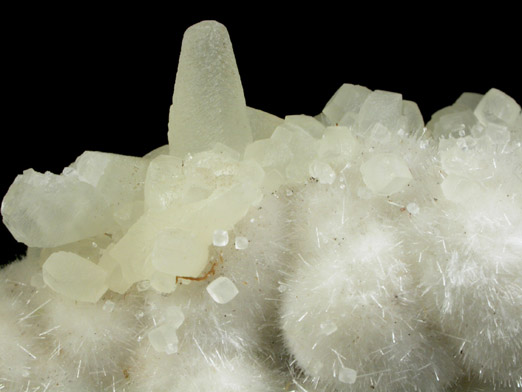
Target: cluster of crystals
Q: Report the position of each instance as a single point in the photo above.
(375, 202)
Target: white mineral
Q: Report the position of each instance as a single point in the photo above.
(347, 100)
(164, 339)
(262, 123)
(222, 290)
(220, 238)
(322, 172)
(380, 106)
(241, 243)
(497, 108)
(49, 210)
(325, 256)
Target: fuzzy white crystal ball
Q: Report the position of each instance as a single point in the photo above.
(371, 251)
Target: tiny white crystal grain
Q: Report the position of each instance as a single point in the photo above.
(108, 306)
(347, 375)
(241, 243)
(220, 238)
(328, 328)
(413, 208)
(222, 290)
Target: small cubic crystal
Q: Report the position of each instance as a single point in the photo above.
(164, 339)
(220, 238)
(241, 243)
(347, 375)
(222, 290)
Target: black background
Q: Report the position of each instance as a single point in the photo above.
(93, 79)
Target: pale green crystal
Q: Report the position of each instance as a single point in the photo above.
(386, 173)
(208, 105)
(75, 277)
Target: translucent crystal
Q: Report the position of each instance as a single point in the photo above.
(386, 173)
(307, 123)
(164, 339)
(498, 134)
(179, 253)
(241, 243)
(163, 182)
(411, 117)
(49, 210)
(469, 100)
(174, 316)
(337, 145)
(262, 123)
(459, 189)
(118, 178)
(74, 277)
(222, 290)
(380, 107)
(347, 375)
(456, 124)
(304, 148)
(322, 171)
(208, 105)
(498, 108)
(347, 99)
(379, 134)
(220, 238)
(163, 283)
(270, 154)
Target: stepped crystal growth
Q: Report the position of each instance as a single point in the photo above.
(351, 251)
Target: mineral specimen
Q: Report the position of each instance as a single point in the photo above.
(351, 251)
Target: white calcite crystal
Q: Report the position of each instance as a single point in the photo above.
(353, 250)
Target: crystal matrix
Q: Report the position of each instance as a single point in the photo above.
(354, 250)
